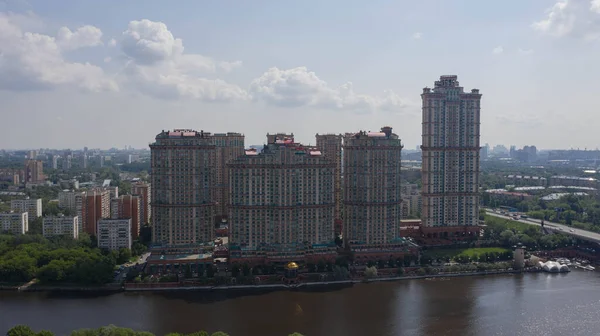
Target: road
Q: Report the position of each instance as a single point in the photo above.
(120, 277)
(578, 233)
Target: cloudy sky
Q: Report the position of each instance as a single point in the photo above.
(114, 73)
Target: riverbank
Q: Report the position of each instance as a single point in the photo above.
(169, 287)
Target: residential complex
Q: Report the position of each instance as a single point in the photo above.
(75, 202)
(282, 202)
(97, 206)
(183, 187)
(127, 207)
(372, 187)
(114, 234)
(143, 191)
(229, 146)
(32, 206)
(61, 225)
(34, 171)
(14, 222)
(450, 158)
(331, 147)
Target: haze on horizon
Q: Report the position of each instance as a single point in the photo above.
(111, 73)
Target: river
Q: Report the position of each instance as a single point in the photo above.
(529, 304)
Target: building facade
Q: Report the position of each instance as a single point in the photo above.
(32, 206)
(183, 187)
(75, 202)
(282, 202)
(61, 225)
(14, 222)
(372, 187)
(331, 147)
(34, 171)
(114, 234)
(450, 166)
(97, 206)
(143, 191)
(127, 207)
(229, 147)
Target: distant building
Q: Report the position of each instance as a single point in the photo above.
(12, 176)
(14, 222)
(34, 171)
(76, 203)
(67, 162)
(331, 147)
(32, 206)
(183, 187)
(127, 207)
(574, 181)
(372, 187)
(114, 234)
(526, 180)
(143, 191)
(113, 190)
(97, 206)
(229, 146)
(61, 225)
(55, 161)
(450, 169)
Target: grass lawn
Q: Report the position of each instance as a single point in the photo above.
(507, 223)
(469, 252)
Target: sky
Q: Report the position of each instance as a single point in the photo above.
(112, 73)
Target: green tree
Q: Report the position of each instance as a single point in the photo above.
(124, 255)
(20, 330)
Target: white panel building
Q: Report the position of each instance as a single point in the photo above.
(61, 225)
(114, 234)
(31, 206)
(14, 222)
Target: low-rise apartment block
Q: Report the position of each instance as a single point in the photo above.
(32, 206)
(61, 225)
(114, 234)
(14, 222)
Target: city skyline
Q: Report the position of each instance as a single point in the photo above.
(321, 67)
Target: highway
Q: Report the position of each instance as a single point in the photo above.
(578, 233)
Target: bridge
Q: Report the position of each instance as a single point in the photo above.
(555, 227)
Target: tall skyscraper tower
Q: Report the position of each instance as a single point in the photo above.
(372, 187)
(230, 146)
(450, 167)
(183, 187)
(331, 147)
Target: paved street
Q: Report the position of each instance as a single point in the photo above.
(582, 234)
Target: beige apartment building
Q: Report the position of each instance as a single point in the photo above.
(75, 202)
(183, 187)
(33, 206)
(330, 146)
(114, 234)
(372, 187)
(450, 158)
(282, 200)
(229, 146)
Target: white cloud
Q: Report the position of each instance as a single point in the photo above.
(229, 66)
(107, 59)
(86, 36)
(498, 50)
(112, 42)
(417, 36)
(30, 60)
(299, 87)
(525, 51)
(159, 66)
(577, 18)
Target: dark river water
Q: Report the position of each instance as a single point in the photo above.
(531, 304)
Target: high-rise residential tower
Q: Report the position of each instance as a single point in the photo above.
(372, 187)
(183, 187)
(331, 147)
(229, 147)
(282, 202)
(143, 191)
(97, 206)
(450, 168)
(34, 171)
